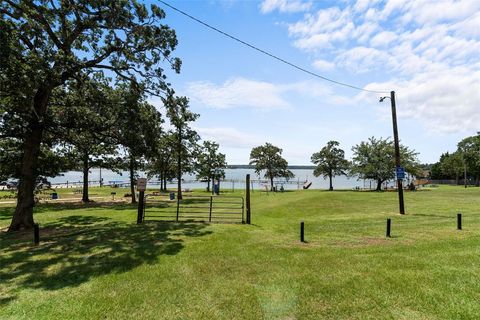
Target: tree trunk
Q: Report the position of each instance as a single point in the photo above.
(179, 185)
(208, 184)
(23, 216)
(85, 178)
(379, 185)
(179, 165)
(165, 183)
(330, 178)
(271, 183)
(132, 183)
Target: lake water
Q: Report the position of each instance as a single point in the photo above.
(234, 179)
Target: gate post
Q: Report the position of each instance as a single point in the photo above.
(140, 207)
(247, 198)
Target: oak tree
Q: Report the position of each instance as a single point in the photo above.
(330, 162)
(375, 159)
(46, 43)
(269, 158)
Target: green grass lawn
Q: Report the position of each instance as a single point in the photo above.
(95, 262)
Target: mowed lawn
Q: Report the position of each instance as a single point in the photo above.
(94, 262)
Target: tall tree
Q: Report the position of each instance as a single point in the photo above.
(449, 166)
(469, 149)
(269, 158)
(186, 138)
(45, 43)
(88, 112)
(138, 131)
(162, 162)
(211, 164)
(375, 160)
(330, 162)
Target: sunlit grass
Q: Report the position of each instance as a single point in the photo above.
(95, 262)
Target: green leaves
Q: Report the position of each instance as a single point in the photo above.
(375, 159)
(469, 150)
(269, 158)
(330, 161)
(210, 162)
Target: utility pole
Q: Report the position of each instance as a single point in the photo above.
(397, 153)
(179, 165)
(247, 198)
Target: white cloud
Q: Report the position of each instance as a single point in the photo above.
(237, 92)
(446, 102)
(433, 12)
(383, 39)
(327, 20)
(229, 137)
(362, 59)
(323, 65)
(246, 93)
(363, 5)
(468, 28)
(285, 6)
(429, 49)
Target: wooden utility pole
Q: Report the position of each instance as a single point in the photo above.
(179, 165)
(247, 198)
(397, 153)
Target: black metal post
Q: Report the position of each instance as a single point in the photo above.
(141, 202)
(178, 208)
(389, 225)
(397, 152)
(36, 234)
(459, 221)
(247, 198)
(302, 231)
(210, 215)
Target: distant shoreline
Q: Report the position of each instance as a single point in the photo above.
(247, 166)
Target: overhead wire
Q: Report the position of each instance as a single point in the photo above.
(268, 53)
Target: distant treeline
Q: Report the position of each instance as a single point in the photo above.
(247, 166)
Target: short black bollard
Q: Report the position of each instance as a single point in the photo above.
(302, 231)
(389, 225)
(459, 221)
(36, 234)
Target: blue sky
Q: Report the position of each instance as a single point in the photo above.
(427, 51)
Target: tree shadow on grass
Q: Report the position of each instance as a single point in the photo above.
(76, 249)
(48, 207)
(6, 213)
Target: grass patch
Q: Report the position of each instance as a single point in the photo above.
(95, 262)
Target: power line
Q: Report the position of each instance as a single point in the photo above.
(268, 53)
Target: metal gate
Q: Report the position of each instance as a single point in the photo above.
(195, 208)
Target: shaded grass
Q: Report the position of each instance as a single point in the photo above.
(93, 262)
